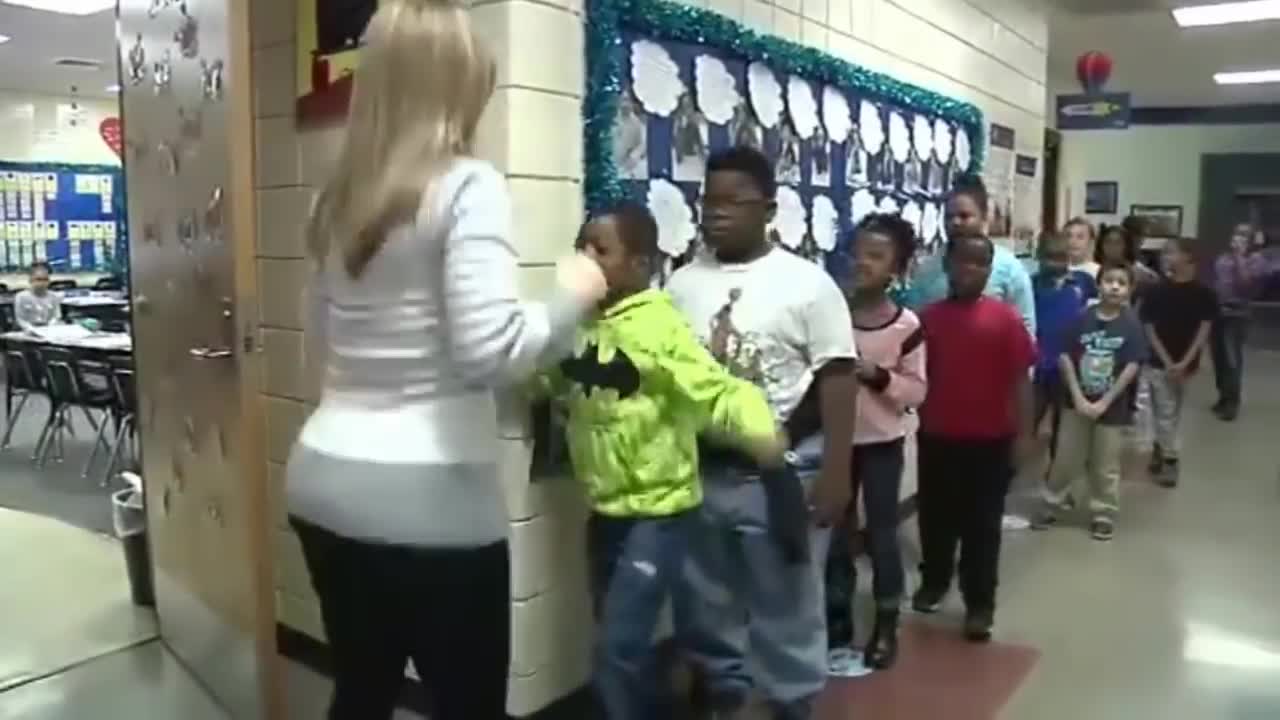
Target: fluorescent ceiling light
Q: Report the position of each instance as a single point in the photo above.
(112, 88)
(4, 39)
(1227, 13)
(66, 7)
(1248, 77)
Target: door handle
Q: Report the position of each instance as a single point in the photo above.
(205, 353)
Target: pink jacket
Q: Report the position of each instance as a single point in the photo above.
(897, 348)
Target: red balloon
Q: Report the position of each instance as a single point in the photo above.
(1093, 69)
(109, 129)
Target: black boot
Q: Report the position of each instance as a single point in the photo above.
(882, 647)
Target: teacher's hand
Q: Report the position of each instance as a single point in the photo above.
(582, 277)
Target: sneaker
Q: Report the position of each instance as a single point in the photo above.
(1229, 413)
(978, 625)
(1102, 529)
(1044, 519)
(927, 600)
(1156, 465)
(1168, 475)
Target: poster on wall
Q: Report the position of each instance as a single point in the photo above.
(670, 84)
(328, 40)
(1026, 204)
(999, 177)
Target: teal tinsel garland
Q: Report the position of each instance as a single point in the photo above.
(663, 20)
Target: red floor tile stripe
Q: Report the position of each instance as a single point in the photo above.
(938, 675)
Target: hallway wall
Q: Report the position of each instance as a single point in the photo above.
(992, 52)
(1154, 164)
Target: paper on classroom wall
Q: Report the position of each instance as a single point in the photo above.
(655, 78)
(998, 177)
(766, 94)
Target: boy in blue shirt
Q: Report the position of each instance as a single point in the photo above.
(1061, 295)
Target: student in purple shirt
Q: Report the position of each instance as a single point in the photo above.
(1237, 275)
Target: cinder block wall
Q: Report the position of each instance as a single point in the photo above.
(991, 52)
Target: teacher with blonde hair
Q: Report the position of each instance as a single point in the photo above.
(393, 485)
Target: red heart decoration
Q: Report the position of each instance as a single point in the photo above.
(111, 134)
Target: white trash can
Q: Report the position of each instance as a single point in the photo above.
(129, 516)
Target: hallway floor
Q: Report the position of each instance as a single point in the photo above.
(1175, 619)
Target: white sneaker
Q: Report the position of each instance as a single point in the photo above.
(846, 663)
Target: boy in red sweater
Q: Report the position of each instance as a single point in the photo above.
(974, 426)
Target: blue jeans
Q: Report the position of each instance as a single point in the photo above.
(748, 596)
(877, 471)
(636, 565)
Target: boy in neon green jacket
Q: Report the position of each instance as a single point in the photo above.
(638, 389)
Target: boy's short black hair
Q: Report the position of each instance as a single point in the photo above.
(1125, 268)
(41, 265)
(953, 243)
(972, 186)
(749, 161)
(636, 227)
(901, 232)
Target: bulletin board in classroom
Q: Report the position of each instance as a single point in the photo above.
(70, 216)
(669, 84)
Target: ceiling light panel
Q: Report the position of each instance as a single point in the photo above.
(65, 7)
(1229, 13)
(1248, 77)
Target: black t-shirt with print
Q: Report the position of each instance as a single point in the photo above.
(1176, 311)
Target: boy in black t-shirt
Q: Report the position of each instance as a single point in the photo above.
(1178, 315)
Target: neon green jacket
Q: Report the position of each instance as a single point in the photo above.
(638, 389)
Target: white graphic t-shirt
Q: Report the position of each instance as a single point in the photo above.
(774, 321)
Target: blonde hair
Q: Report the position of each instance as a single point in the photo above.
(424, 80)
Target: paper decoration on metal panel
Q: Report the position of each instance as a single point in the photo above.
(670, 84)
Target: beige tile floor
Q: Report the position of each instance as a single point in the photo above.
(1175, 619)
(64, 597)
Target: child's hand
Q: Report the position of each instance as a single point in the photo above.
(769, 451)
(582, 277)
(1092, 410)
(1177, 372)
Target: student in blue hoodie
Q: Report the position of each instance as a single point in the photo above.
(1061, 295)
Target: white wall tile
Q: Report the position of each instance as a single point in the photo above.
(275, 494)
(284, 419)
(786, 24)
(319, 150)
(277, 158)
(757, 15)
(814, 34)
(532, 133)
(282, 221)
(271, 22)
(815, 10)
(282, 286)
(302, 614)
(535, 556)
(731, 9)
(518, 31)
(547, 214)
(790, 6)
(283, 356)
(290, 566)
(274, 82)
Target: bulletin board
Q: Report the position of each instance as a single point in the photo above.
(71, 216)
(669, 84)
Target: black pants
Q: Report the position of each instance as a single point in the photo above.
(1227, 344)
(446, 608)
(877, 473)
(963, 484)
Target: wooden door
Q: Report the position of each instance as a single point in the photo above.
(187, 116)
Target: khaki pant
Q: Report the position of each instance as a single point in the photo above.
(1088, 448)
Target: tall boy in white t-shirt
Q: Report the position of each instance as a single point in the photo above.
(781, 322)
